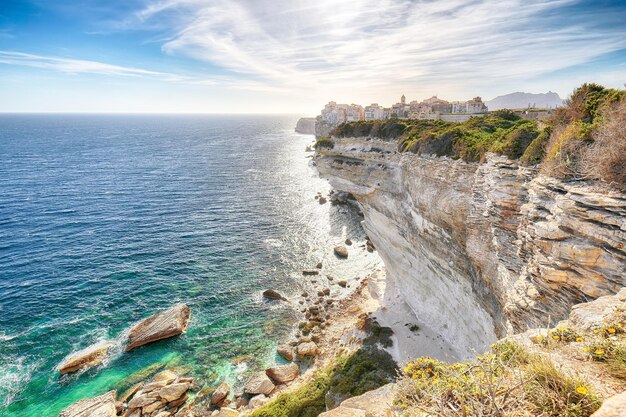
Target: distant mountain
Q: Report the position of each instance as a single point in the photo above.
(523, 100)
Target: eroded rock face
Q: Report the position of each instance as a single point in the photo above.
(101, 406)
(166, 324)
(91, 356)
(478, 251)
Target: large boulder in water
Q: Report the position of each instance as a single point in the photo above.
(91, 356)
(273, 295)
(163, 325)
(101, 406)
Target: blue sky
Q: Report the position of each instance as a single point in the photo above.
(276, 56)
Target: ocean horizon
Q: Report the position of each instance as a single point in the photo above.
(109, 218)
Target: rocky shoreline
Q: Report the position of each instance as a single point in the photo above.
(329, 325)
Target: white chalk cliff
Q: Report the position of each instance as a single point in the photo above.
(479, 251)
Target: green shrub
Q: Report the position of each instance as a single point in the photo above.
(350, 375)
(324, 143)
(536, 151)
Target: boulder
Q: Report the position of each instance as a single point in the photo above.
(342, 283)
(283, 373)
(614, 406)
(286, 352)
(319, 265)
(173, 392)
(341, 251)
(307, 349)
(273, 295)
(259, 383)
(310, 272)
(348, 242)
(321, 200)
(91, 356)
(166, 324)
(101, 406)
(220, 393)
(166, 377)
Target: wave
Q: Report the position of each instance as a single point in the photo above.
(15, 374)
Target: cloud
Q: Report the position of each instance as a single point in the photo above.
(74, 66)
(379, 44)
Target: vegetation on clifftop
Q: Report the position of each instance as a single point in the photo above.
(585, 139)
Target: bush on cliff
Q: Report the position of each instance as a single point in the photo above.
(507, 381)
(588, 138)
(349, 375)
(324, 143)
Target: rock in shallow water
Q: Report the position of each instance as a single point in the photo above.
(259, 383)
(273, 295)
(286, 352)
(91, 356)
(163, 325)
(101, 406)
(341, 251)
(220, 393)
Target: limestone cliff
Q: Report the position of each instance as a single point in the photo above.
(478, 251)
(306, 126)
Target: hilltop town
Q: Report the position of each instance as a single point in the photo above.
(433, 108)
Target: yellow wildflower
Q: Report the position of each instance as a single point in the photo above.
(596, 331)
(599, 352)
(611, 330)
(580, 339)
(585, 349)
(582, 390)
(555, 337)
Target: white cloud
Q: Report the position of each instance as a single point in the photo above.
(74, 66)
(330, 45)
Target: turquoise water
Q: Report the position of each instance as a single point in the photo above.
(106, 219)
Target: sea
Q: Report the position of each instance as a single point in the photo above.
(108, 219)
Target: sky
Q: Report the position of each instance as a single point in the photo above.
(276, 56)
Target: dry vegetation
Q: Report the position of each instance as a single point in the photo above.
(513, 380)
(588, 138)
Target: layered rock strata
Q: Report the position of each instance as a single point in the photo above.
(478, 251)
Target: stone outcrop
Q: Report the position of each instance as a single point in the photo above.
(601, 312)
(306, 125)
(91, 356)
(166, 324)
(163, 396)
(283, 373)
(101, 406)
(479, 251)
